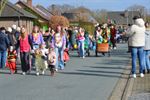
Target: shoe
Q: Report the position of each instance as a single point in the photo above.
(148, 71)
(56, 70)
(43, 72)
(23, 73)
(83, 57)
(15, 71)
(115, 48)
(11, 72)
(37, 73)
(134, 75)
(144, 71)
(141, 75)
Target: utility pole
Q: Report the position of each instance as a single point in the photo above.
(2, 5)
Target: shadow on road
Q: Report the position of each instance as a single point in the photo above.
(92, 74)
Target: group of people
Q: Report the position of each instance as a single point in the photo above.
(39, 50)
(139, 43)
(49, 49)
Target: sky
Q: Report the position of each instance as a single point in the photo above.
(111, 5)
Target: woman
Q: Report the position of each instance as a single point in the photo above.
(59, 43)
(36, 39)
(25, 44)
(137, 41)
(147, 49)
(81, 39)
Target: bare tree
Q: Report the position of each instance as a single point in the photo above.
(141, 9)
(58, 9)
(100, 15)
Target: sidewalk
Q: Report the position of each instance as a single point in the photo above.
(128, 88)
(138, 89)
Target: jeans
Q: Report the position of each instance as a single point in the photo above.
(137, 51)
(146, 59)
(59, 57)
(25, 62)
(81, 48)
(3, 58)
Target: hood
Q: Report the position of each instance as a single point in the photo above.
(140, 22)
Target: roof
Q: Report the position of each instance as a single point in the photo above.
(34, 9)
(11, 10)
(122, 17)
(44, 10)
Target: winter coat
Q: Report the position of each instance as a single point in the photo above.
(147, 39)
(12, 39)
(136, 34)
(4, 42)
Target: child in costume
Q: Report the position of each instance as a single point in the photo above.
(11, 60)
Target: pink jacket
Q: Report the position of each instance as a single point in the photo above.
(24, 44)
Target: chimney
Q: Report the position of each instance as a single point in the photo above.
(29, 2)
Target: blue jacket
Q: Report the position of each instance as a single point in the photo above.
(4, 42)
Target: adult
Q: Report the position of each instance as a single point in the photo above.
(81, 39)
(113, 36)
(36, 39)
(4, 45)
(147, 49)
(59, 43)
(136, 42)
(25, 44)
(47, 38)
(11, 37)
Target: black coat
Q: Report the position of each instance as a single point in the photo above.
(11, 39)
(4, 42)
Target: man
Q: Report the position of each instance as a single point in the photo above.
(137, 41)
(4, 44)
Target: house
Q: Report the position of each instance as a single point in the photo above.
(122, 17)
(42, 17)
(14, 15)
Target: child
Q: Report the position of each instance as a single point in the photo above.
(40, 61)
(11, 60)
(44, 53)
(51, 60)
(66, 56)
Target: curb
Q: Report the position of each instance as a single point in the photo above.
(128, 90)
(119, 92)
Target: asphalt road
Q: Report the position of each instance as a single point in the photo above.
(92, 78)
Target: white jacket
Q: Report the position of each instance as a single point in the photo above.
(137, 33)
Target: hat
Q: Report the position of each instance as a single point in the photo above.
(2, 28)
(9, 29)
(136, 17)
(18, 28)
(14, 26)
